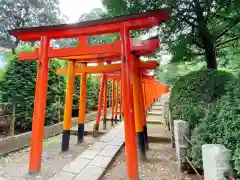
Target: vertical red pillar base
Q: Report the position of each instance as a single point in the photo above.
(95, 130)
(100, 100)
(145, 131)
(80, 136)
(141, 145)
(65, 140)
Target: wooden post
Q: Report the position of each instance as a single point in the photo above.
(105, 100)
(12, 125)
(130, 136)
(148, 97)
(136, 79)
(143, 93)
(105, 104)
(68, 106)
(113, 96)
(120, 100)
(143, 113)
(82, 105)
(116, 102)
(59, 109)
(100, 100)
(109, 97)
(39, 107)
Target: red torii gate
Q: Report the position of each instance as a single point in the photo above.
(149, 90)
(153, 89)
(146, 46)
(115, 78)
(121, 24)
(82, 71)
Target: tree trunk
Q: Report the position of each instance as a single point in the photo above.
(16, 44)
(210, 54)
(32, 44)
(210, 49)
(13, 51)
(12, 124)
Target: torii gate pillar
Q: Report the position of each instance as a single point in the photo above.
(129, 125)
(82, 105)
(39, 107)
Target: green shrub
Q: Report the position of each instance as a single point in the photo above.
(191, 94)
(221, 125)
(19, 79)
(93, 87)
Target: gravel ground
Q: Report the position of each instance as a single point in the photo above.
(161, 165)
(14, 166)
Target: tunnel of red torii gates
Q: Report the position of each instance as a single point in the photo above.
(149, 85)
(137, 90)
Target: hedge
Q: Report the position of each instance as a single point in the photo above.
(191, 94)
(221, 125)
(19, 81)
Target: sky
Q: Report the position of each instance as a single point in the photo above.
(74, 8)
(1, 60)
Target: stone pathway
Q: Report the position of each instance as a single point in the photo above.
(92, 163)
(157, 110)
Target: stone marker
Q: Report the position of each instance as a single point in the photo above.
(181, 130)
(164, 98)
(171, 129)
(166, 115)
(215, 161)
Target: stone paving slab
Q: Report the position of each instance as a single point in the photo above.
(120, 136)
(117, 141)
(90, 173)
(109, 151)
(98, 146)
(89, 154)
(108, 137)
(158, 131)
(155, 113)
(157, 107)
(153, 119)
(92, 163)
(76, 166)
(63, 176)
(101, 161)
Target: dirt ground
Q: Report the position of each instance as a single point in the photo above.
(161, 165)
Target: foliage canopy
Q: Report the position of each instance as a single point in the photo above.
(195, 27)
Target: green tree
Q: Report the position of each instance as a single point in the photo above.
(25, 13)
(97, 13)
(195, 27)
(1, 73)
(171, 72)
(20, 79)
(94, 14)
(93, 87)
